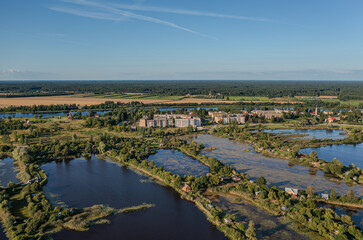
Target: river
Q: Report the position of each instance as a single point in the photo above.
(45, 114)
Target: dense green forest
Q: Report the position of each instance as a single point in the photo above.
(345, 90)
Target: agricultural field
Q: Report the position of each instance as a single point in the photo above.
(332, 100)
(134, 96)
(246, 98)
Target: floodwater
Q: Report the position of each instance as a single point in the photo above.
(2, 234)
(268, 226)
(55, 114)
(7, 172)
(355, 214)
(347, 154)
(83, 183)
(276, 171)
(312, 133)
(178, 163)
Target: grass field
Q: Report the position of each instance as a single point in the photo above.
(246, 98)
(336, 100)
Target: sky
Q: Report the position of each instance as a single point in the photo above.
(181, 40)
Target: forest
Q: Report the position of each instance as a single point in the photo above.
(344, 90)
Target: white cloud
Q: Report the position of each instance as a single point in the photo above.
(12, 71)
(187, 12)
(109, 12)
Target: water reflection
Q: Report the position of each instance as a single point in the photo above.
(7, 172)
(178, 163)
(82, 183)
(312, 133)
(55, 114)
(275, 170)
(355, 214)
(268, 226)
(348, 154)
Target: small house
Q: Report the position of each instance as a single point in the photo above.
(186, 188)
(325, 196)
(316, 164)
(236, 179)
(228, 220)
(209, 206)
(292, 191)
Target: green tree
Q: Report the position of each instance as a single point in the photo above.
(333, 194)
(310, 191)
(101, 147)
(314, 156)
(251, 230)
(21, 154)
(261, 181)
(350, 195)
(214, 180)
(204, 180)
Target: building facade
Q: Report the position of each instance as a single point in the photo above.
(170, 120)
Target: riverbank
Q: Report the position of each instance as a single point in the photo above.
(275, 148)
(198, 200)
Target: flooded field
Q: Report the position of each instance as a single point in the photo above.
(7, 172)
(347, 154)
(277, 171)
(312, 133)
(178, 163)
(268, 226)
(355, 214)
(83, 183)
(2, 234)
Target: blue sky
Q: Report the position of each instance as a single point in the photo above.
(181, 39)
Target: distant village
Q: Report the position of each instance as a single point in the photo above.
(221, 117)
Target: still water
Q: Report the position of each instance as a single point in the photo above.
(178, 163)
(268, 226)
(276, 171)
(312, 133)
(83, 183)
(7, 172)
(347, 154)
(187, 108)
(56, 114)
(356, 215)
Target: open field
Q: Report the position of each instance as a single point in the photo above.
(246, 98)
(134, 96)
(83, 100)
(320, 97)
(30, 101)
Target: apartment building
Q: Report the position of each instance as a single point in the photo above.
(170, 120)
